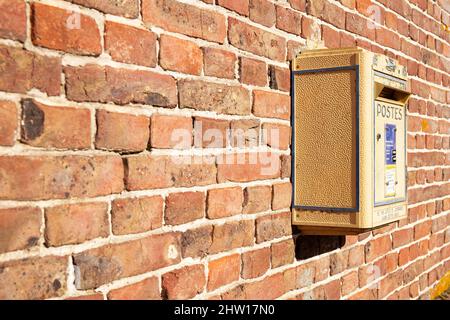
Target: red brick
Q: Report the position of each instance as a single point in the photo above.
(322, 269)
(75, 223)
(262, 12)
(127, 8)
(257, 199)
(196, 242)
(134, 215)
(33, 278)
(184, 207)
(248, 167)
(422, 230)
(223, 271)
(58, 177)
(22, 70)
(210, 133)
(289, 20)
(280, 78)
(19, 228)
(249, 38)
(281, 196)
(282, 253)
(358, 25)
(339, 262)
(299, 5)
(207, 96)
(224, 202)
(327, 11)
(377, 247)
(402, 237)
(241, 7)
(130, 45)
(252, 72)
(184, 283)
(331, 37)
(293, 47)
(273, 226)
(329, 291)
(13, 19)
(245, 133)
(271, 105)
(180, 55)
(310, 29)
(255, 263)
(55, 127)
(113, 131)
(349, 283)
(285, 166)
(232, 235)
(147, 289)
(276, 136)
(171, 132)
(8, 122)
(59, 29)
(184, 18)
(219, 63)
(150, 172)
(356, 256)
(126, 259)
(349, 3)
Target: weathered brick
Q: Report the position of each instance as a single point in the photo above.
(113, 131)
(249, 38)
(8, 122)
(248, 167)
(232, 235)
(196, 242)
(276, 136)
(184, 18)
(102, 265)
(305, 275)
(150, 172)
(299, 5)
(273, 226)
(224, 202)
(126, 8)
(402, 237)
(50, 177)
(21, 70)
(327, 11)
(171, 132)
(134, 215)
(267, 289)
(331, 37)
(358, 25)
(64, 30)
(285, 166)
(280, 78)
(19, 228)
(252, 72)
(184, 283)
(184, 207)
(223, 271)
(219, 63)
(207, 96)
(257, 199)
(271, 105)
(282, 253)
(210, 133)
(349, 283)
(339, 262)
(55, 127)
(33, 278)
(130, 45)
(241, 7)
(13, 19)
(180, 55)
(255, 263)
(147, 289)
(92, 83)
(75, 223)
(289, 20)
(281, 196)
(245, 133)
(377, 247)
(263, 12)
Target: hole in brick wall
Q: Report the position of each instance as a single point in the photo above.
(310, 246)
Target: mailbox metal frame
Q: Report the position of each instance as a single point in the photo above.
(357, 137)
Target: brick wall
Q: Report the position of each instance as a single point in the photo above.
(96, 201)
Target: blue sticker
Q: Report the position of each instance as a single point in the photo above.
(390, 149)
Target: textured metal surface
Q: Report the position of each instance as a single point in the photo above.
(325, 126)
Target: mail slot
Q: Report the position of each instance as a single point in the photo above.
(348, 141)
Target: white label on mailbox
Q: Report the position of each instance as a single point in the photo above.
(389, 190)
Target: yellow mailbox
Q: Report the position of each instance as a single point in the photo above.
(348, 141)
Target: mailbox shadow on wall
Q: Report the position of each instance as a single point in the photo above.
(348, 140)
